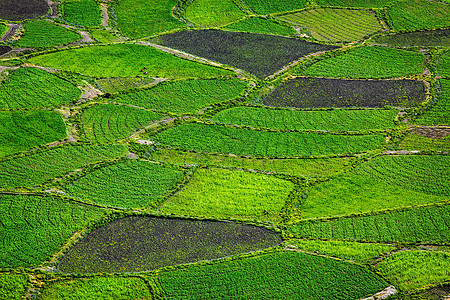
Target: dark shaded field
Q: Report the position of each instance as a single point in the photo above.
(322, 92)
(430, 38)
(258, 54)
(17, 10)
(136, 243)
(4, 49)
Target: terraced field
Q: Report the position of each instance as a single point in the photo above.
(430, 38)
(210, 13)
(261, 25)
(82, 13)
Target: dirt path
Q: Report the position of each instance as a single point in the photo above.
(86, 37)
(389, 291)
(12, 30)
(54, 7)
(105, 14)
(89, 92)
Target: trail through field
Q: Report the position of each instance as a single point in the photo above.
(12, 30)
(54, 9)
(86, 37)
(389, 291)
(90, 92)
(105, 14)
(168, 120)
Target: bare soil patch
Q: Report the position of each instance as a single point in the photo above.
(432, 132)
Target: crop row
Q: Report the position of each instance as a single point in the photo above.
(261, 25)
(211, 13)
(119, 84)
(356, 3)
(82, 13)
(264, 7)
(46, 34)
(438, 114)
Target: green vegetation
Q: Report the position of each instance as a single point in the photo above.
(3, 29)
(438, 114)
(418, 142)
(185, 96)
(419, 14)
(96, 288)
(261, 25)
(127, 184)
(361, 252)
(35, 227)
(23, 130)
(137, 18)
(220, 139)
(35, 169)
(211, 13)
(356, 3)
(104, 36)
(35, 88)
(333, 120)
(444, 65)
(369, 62)
(415, 269)
(279, 275)
(13, 286)
(264, 7)
(115, 85)
(82, 12)
(43, 33)
(335, 25)
(122, 60)
(431, 38)
(109, 122)
(221, 193)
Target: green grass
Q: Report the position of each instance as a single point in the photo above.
(119, 84)
(123, 60)
(137, 19)
(186, 96)
(335, 25)
(3, 29)
(35, 227)
(280, 275)
(356, 3)
(333, 120)
(239, 141)
(369, 62)
(23, 130)
(418, 142)
(35, 169)
(128, 184)
(82, 13)
(96, 288)
(324, 167)
(211, 13)
(416, 15)
(438, 114)
(410, 270)
(444, 65)
(104, 36)
(109, 122)
(35, 88)
(222, 194)
(13, 286)
(264, 7)
(39, 34)
(261, 25)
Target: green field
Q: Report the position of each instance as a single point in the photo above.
(186, 96)
(107, 123)
(261, 25)
(219, 193)
(39, 34)
(121, 60)
(356, 3)
(335, 25)
(265, 7)
(13, 286)
(418, 142)
(444, 65)
(3, 29)
(369, 62)
(119, 84)
(438, 114)
(23, 130)
(82, 12)
(35, 88)
(211, 13)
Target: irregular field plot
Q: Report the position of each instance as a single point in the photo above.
(128, 184)
(382, 183)
(435, 139)
(13, 286)
(280, 275)
(111, 287)
(369, 62)
(247, 51)
(109, 122)
(431, 38)
(273, 6)
(46, 34)
(439, 113)
(122, 60)
(137, 243)
(16, 10)
(119, 84)
(221, 193)
(82, 13)
(23, 130)
(322, 92)
(184, 96)
(220, 139)
(34, 227)
(35, 88)
(335, 25)
(356, 3)
(258, 117)
(419, 14)
(211, 13)
(261, 25)
(421, 225)
(35, 169)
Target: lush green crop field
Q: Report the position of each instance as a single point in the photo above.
(415, 269)
(121, 288)
(42, 33)
(23, 130)
(14, 10)
(261, 25)
(184, 96)
(438, 114)
(82, 12)
(35, 88)
(356, 3)
(35, 227)
(444, 65)
(219, 193)
(333, 120)
(109, 122)
(127, 184)
(280, 275)
(3, 29)
(121, 60)
(322, 92)
(335, 25)
(119, 84)
(419, 14)
(13, 286)
(369, 62)
(219, 139)
(265, 7)
(159, 242)
(431, 38)
(211, 13)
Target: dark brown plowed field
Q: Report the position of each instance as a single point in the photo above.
(16, 10)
